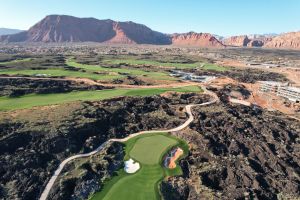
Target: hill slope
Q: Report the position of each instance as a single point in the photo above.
(62, 28)
(196, 39)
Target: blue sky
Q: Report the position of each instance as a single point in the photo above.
(223, 17)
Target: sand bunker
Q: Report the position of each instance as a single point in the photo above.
(131, 166)
(170, 160)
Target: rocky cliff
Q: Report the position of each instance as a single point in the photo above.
(63, 28)
(239, 41)
(196, 39)
(288, 41)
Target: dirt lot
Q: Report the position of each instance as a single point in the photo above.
(264, 100)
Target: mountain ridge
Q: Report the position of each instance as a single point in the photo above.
(65, 28)
(7, 31)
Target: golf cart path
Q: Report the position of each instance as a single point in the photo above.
(182, 126)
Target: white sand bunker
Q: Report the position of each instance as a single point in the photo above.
(131, 166)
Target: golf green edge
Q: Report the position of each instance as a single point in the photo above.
(121, 174)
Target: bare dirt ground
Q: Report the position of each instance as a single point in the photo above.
(231, 63)
(264, 100)
(220, 82)
(293, 74)
(269, 101)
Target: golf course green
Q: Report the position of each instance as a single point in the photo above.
(148, 150)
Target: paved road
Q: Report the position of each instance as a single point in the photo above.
(188, 109)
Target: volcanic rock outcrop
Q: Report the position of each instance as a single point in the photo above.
(238, 152)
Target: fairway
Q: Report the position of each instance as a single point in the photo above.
(213, 67)
(205, 66)
(92, 72)
(121, 71)
(141, 185)
(153, 63)
(60, 73)
(148, 150)
(16, 61)
(31, 100)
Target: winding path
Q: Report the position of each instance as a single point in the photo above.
(188, 109)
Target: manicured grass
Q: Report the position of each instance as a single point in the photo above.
(60, 72)
(153, 63)
(31, 100)
(206, 66)
(214, 67)
(134, 72)
(16, 61)
(151, 155)
(90, 72)
(138, 186)
(148, 150)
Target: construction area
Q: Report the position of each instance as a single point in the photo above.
(281, 89)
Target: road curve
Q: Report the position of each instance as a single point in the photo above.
(188, 109)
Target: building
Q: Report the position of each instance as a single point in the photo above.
(280, 89)
(202, 78)
(291, 93)
(271, 86)
(190, 76)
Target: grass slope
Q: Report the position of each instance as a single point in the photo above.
(31, 100)
(148, 150)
